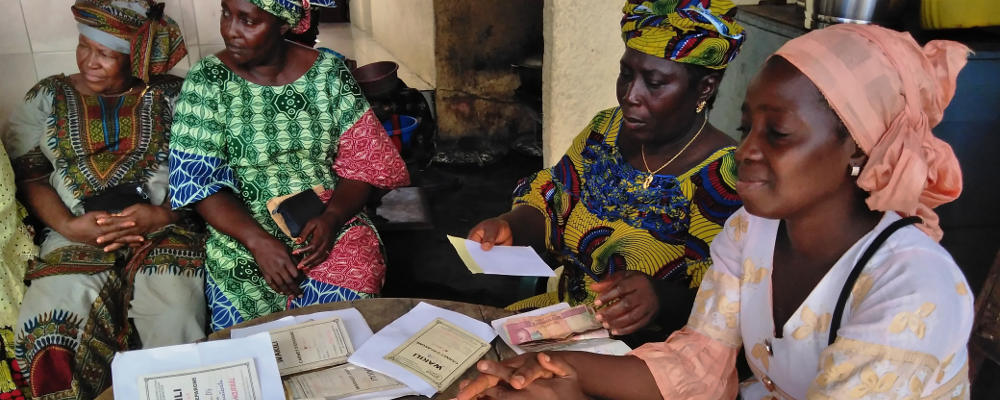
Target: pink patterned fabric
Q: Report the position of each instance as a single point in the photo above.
(889, 92)
(366, 154)
(690, 365)
(355, 262)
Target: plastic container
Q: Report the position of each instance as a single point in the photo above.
(400, 129)
(377, 78)
(941, 14)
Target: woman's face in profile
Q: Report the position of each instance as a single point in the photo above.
(793, 156)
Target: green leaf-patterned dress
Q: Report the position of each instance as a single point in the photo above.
(262, 142)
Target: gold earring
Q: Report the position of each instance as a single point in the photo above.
(701, 107)
(855, 170)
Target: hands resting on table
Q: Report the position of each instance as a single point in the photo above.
(527, 376)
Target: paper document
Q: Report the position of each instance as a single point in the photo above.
(311, 345)
(344, 382)
(357, 326)
(439, 353)
(596, 341)
(232, 380)
(372, 354)
(500, 260)
(127, 367)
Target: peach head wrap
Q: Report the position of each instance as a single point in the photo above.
(889, 92)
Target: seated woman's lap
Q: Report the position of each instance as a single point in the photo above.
(72, 322)
(237, 292)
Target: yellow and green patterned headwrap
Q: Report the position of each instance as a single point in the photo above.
(294, 12)
(700, 32)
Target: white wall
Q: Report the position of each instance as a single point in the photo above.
(582, 47)
(38, 38)
(406, 29)
(361, 14)
(579, 67)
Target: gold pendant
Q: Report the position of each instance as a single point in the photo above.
(647, 182)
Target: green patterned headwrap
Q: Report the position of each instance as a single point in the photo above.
(294, 12)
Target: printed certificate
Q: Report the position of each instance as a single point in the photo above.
(312, 345)
(339, 382)
(233, 380)
(439, 353)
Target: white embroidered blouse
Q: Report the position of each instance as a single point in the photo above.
(903, 333)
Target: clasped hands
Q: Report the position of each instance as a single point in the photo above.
(113, 231)
(275, 262)
(527, 376)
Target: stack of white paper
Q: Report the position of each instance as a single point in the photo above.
(326, 383)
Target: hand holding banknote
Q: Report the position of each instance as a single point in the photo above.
(555, 326)
(628, 299)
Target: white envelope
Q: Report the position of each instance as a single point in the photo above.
(500, 260)
(370, 354)
(128, 366)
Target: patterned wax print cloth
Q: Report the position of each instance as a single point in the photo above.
(267, 141)
(16, 249)
(294, 12)
(83, 304)
(903, 333)
(599, 218)
(699, 32)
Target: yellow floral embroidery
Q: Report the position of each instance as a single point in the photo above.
(916, 388)
(831, 372)
(871, 383)
(914, 321)
(944, 367)
(729, 310)
(739, 225)
(811, 323)
(760, 352)
(861, 289)
(961, 289)
(701, 298)
(752, 274)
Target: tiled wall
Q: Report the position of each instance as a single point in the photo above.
(38, 38)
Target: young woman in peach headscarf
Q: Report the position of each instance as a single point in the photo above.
(831, 292)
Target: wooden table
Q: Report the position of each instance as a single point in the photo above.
(379, 313)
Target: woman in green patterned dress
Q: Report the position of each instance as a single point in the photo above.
(266, 118)
(118, 269)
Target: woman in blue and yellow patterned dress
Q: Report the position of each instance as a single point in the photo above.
(631, 209)
(118, 270)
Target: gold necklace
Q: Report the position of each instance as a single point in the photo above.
(642, 151)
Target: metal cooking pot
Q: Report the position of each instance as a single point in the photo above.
(823, 13)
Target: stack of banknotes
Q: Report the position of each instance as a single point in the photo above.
(567, 325)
